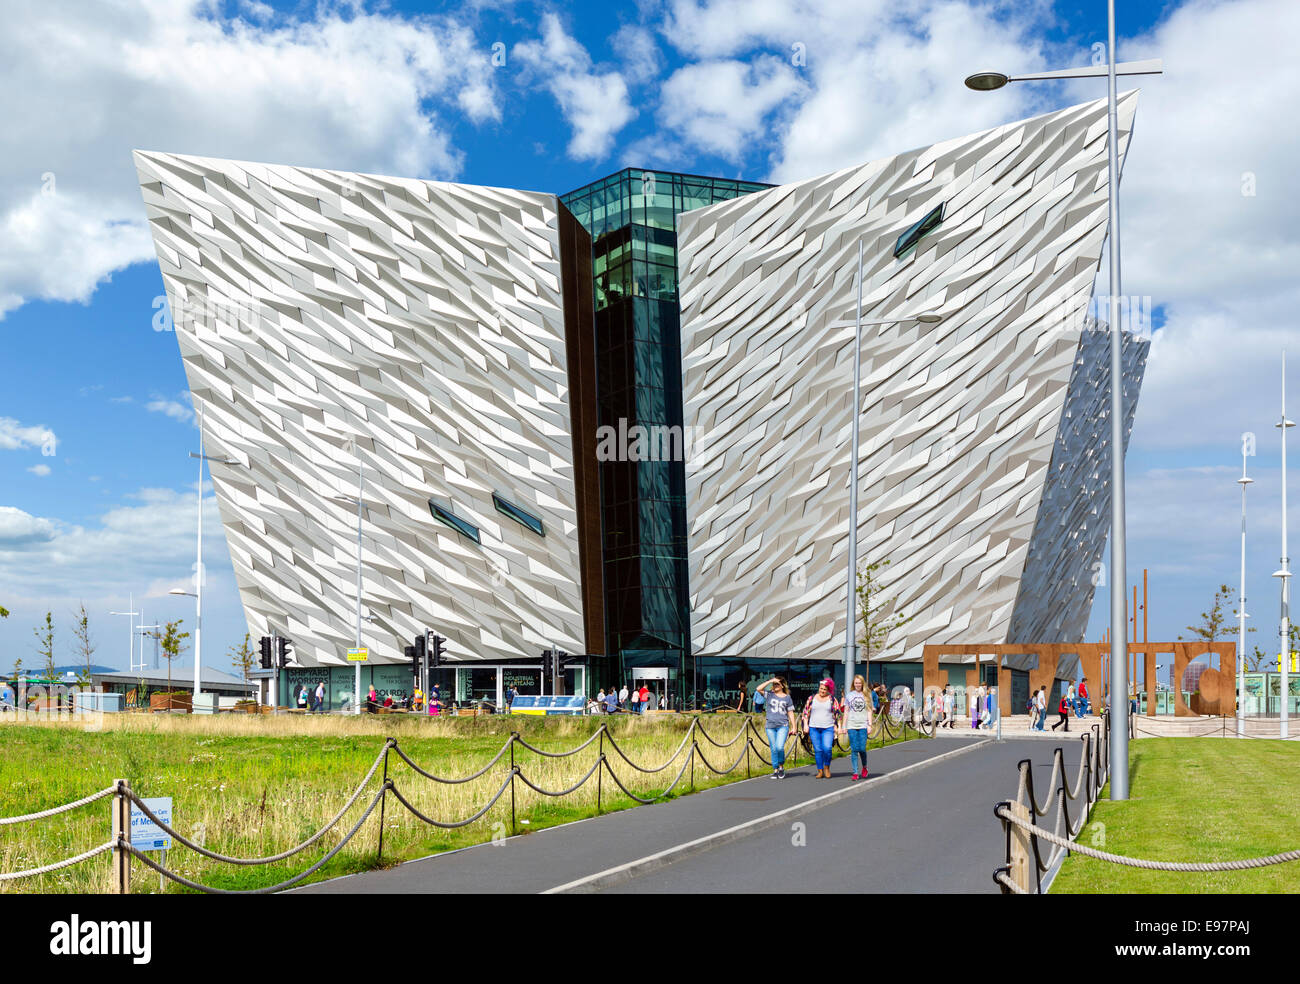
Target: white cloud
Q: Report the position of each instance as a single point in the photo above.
(81, 86)
(873, 83)
(41, 470)
(14, 436)
(639, 53)
(145, 547)
(595, 103)
(171, 408)
(720, 106)
(20, 530)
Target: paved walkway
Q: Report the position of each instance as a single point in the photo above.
(947, 792)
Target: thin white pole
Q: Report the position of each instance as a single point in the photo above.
(198, 578)
(1284, 628)
(1241, 602)
(1118, 570)
(850, 643)
(356, 687)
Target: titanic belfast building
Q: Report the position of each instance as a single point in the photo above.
(616, 422)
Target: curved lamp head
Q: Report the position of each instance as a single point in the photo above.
(929, 318)
(986, 81)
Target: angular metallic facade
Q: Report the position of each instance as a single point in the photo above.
(418, 328)
(977, 451)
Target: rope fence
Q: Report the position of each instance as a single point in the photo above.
(1026, 860)
(685, 756)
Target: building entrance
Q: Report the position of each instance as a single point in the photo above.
(655, 680)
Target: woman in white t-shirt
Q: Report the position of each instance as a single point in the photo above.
(857, 722)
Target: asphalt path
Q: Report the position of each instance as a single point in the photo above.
(546, 859)
(931, 832)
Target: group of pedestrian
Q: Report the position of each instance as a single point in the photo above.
(823, 718)
(637, 700)
(312, 701)
(1071, 703)
(982, 708)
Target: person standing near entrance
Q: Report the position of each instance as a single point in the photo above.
(821, 718)
(857, 722)
(643, 698)
(779, 720)
(622, 696)
(1040, 705)
(1082, 702)
(320, 697)
(948, 707)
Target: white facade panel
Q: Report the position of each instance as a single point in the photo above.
(328, 319)
(959, 420)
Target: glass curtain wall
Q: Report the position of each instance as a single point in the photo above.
(631, 219)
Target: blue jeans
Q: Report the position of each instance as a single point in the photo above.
(776, 739)
(858, 749)
(822, 741)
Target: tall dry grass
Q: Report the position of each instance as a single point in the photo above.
(254, 786)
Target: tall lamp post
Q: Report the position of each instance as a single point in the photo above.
(360, 503)
(1284, 627)
(927, 318)
(197, 593)
(1241, 601)
(1118, 705)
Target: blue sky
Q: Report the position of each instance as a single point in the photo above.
(412, 89)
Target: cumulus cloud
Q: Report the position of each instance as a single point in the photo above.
(856, 81)
(145, 546)
(347, 89)
(595, 103)
(722, 106)
(20, 530)
(14, 436)
(41, 470)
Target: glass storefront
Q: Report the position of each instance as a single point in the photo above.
(631, 219)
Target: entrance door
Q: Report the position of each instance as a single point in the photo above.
(655, 680)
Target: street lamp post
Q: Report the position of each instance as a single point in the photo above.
(1118, 706)
(360, 501)
(925, 317)
(1241, 602)
(197, 593)
(1284, 627)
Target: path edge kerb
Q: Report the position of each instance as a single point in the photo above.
(652, 862)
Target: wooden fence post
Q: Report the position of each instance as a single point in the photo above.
(121, 817)
(1021, 855)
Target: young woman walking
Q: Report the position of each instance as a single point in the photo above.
(857, 722)
(821, 716)
(779, 718)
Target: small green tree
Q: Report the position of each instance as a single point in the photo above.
(85, 648)
(45, 644)
(1212, 622)
(172, 644)
(879, 620)
(4, 612)
(241, 657)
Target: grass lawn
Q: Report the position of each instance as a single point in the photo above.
(1196, 799)
(255, 786)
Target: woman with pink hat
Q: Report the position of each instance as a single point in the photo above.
(821, 716)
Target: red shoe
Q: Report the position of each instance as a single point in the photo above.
(855, 778)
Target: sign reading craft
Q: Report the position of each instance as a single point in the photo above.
(358, 655)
